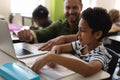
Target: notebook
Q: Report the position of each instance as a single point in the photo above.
(19, 50)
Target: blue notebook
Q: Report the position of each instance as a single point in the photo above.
(14, 71)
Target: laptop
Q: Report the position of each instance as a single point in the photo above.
(17, 50)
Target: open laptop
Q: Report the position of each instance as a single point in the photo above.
(19, 50)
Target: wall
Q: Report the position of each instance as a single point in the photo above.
(108, 4)
(56, 9)
(5, 8)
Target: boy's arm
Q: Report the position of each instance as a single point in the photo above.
(69, 38)
(64, 48)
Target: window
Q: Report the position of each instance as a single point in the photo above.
(117, 4)
(25, 6)
(88, 3)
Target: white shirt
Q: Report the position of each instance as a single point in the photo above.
(99, 53)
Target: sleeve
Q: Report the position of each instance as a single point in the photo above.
(104, 58)
(34, 37)
(47, 33)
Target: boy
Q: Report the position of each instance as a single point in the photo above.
(93, 26)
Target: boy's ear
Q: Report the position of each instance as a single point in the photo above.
(98, 34)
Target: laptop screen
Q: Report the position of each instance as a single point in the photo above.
(6, 44)
(5, 39)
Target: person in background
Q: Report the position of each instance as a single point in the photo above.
(69, 25)
(115, 17)
(93, 56)
(41, 18)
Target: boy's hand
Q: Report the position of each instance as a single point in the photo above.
(51, 65)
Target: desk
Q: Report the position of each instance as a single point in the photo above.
(27, 16)
(98, 76)
(115, 43)
(115, 38)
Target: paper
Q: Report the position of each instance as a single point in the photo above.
(55, 73)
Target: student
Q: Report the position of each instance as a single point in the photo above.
(41, 17)
(115, 17)
(69, 25)
(93, 27)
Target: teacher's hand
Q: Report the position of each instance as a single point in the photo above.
(56, 41)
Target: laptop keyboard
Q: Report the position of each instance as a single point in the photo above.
(24, 50)
(20, 51)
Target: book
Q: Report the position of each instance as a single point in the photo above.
(14, 71)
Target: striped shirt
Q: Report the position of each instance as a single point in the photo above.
(99, 53)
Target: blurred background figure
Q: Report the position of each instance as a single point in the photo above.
(115, 30)
(115, 17)
(40, 16)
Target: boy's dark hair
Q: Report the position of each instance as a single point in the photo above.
(40, 12)
(98, 19)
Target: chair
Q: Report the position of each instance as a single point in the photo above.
(11, 17)
(113, 62)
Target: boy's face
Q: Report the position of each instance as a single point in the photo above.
(85, 35)
(72, 9)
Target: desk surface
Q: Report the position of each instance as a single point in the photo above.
(97, 76)
(115, 38)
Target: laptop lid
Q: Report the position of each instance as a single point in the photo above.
(6, 44)
(5, 39)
